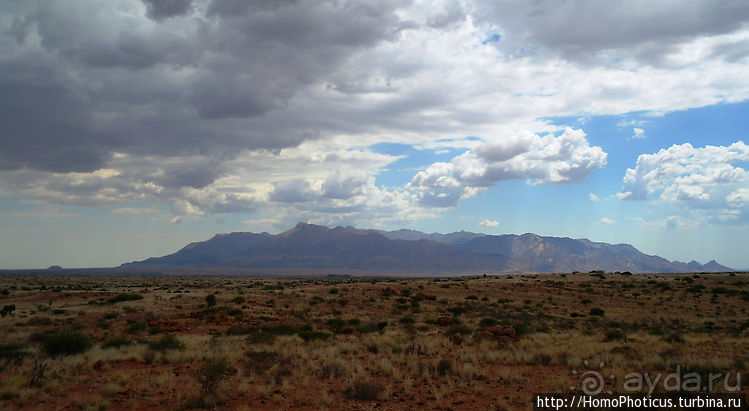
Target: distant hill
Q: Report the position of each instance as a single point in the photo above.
(309, 246)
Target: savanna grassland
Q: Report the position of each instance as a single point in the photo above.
(232, 342)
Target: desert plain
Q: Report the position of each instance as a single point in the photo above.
(317, 342)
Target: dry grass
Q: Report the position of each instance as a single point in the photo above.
(407, 361)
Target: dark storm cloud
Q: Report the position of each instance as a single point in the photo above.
(83, 80)
(44, 121)
(163, 9)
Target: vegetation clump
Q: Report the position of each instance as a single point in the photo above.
(167, 342)
(365, 390)
(65, 342)
(124, 297)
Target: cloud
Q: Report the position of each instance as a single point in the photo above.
(606, 220)
(638, 133)
(489, 223)
(692, 178)
(133, 210)
(200, 105)
(593, 197)
(584, 30)
(540, 159)
(162, 9)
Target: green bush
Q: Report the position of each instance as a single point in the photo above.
(210, 299)
(239, 330)
(211, 373)
(65, 342)
(459, 329)
(487, 322)
(615, 335)
(369, 328)
(8, 309)
(116, 342)
(308, 336)
(457, 310)
(124, 297)
(365, 390)
(167, 342)
(14, 352)
(136, 326)
(335, 324)
(259, 337)
(280, 329)
(596, 311)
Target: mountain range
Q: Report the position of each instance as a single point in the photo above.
(309, 246)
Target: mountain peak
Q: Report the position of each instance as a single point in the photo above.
(318, 247)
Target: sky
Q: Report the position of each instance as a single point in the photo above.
(129, 128)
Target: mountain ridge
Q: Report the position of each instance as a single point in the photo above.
(310, 246)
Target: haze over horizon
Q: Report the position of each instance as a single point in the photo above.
(130, 128)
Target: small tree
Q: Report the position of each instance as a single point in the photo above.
(210, 299)
(209, 376)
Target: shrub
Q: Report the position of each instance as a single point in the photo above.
(239, 300)
(406, 320)
(596, 311)
(457, 310)
(116, 342)
(124, 297)
(487, 322)
(271, 287)
(444, 367)
(615, 335)
(335, 324)
(308, 336)
(369, 328)
(167, 342)
(136, 326)
(65, 342)
(13, 351)
(8, 309)
(239, 330)
(280, 329)
(674, 338)
(365, 390)
(258, 337)
(211, 373)
(459, 329)
(210, 300)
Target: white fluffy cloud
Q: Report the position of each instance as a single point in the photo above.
(638, 133)
(489, 223)
(694, 179)
(546, 159)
